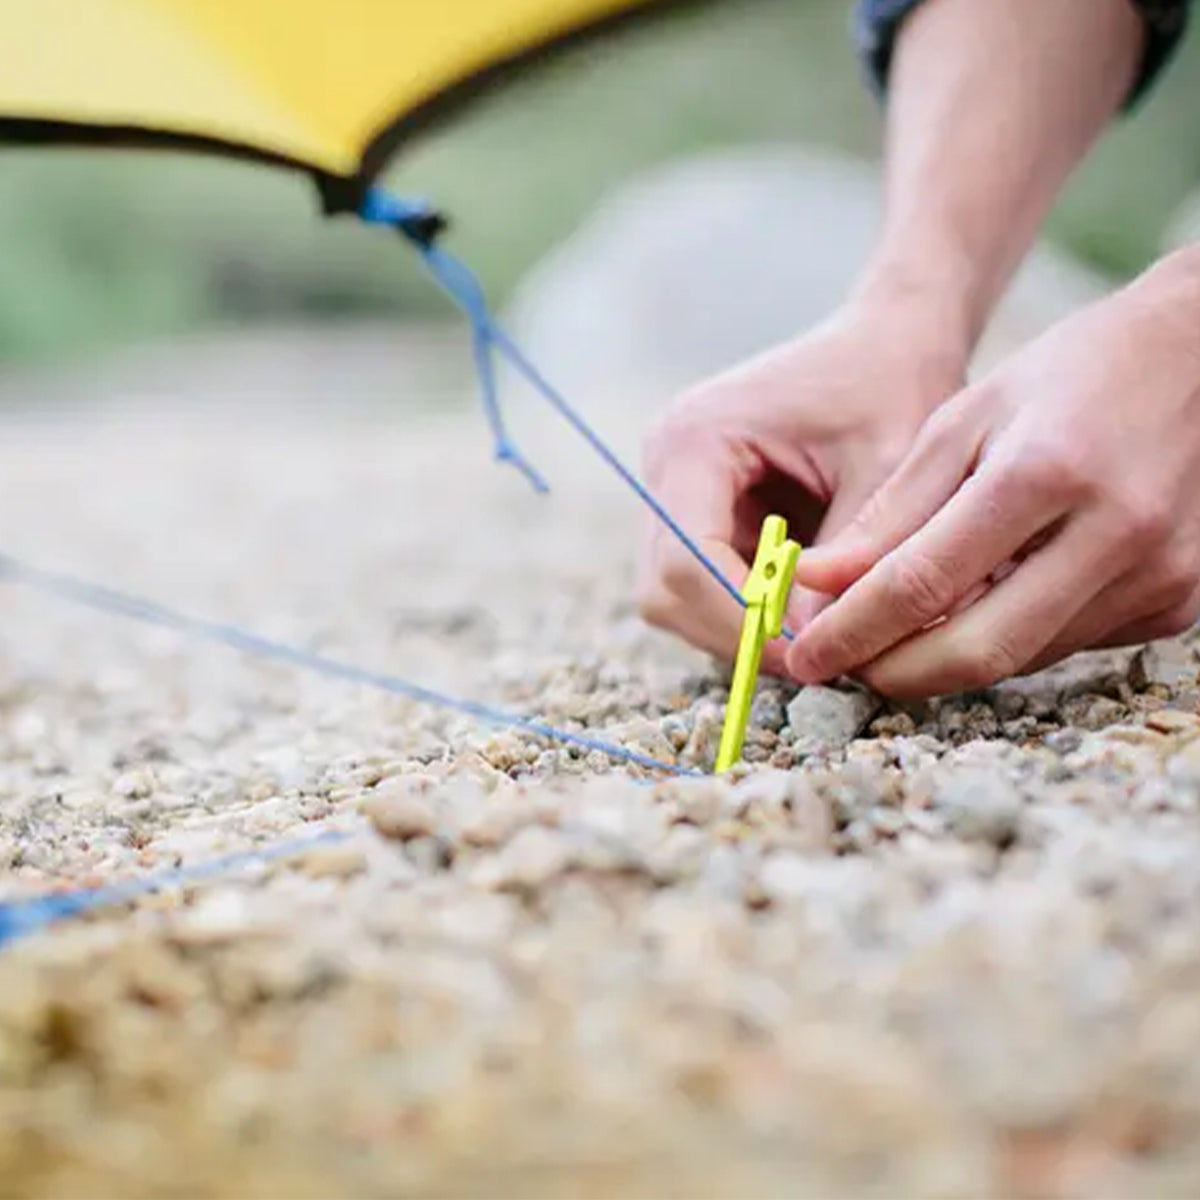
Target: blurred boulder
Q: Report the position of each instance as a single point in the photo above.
(701, 262)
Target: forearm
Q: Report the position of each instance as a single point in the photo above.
(992, 105)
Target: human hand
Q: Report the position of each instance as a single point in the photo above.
(1052, 507)
(808, 430)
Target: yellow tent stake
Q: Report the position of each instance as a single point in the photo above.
(766, 594)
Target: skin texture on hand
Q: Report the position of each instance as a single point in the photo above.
(1053, 506)
(808, 431)
(992, 103)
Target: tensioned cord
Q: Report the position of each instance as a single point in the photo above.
(412, 219)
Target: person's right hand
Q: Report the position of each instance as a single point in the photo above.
(808, 430)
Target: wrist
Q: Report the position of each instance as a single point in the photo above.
(920, 325)
(932, 304)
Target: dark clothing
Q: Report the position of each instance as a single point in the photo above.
(877, 22)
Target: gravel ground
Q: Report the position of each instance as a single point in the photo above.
(942, 952)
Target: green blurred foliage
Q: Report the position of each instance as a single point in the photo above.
(1115, 210)
(97, 247)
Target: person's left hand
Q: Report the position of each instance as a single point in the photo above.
(1051, 507)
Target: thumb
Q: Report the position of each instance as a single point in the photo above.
(940, 459)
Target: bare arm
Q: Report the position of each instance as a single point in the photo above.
(992, 104)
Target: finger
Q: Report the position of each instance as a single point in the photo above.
(698, 477)
(804, 607)
(1124, 614)
(706, 616)
(987, 521)
(679, 595)
(942, 457)
(718, 490)
(1010, 626)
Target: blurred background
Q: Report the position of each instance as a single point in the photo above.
(105, 250)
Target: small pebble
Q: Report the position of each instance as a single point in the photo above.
(1093, 712)
(534, 857)
(978, 805)
(825, 720)
(333, 862)
(897, 724)
(1169, 720)
(1170, 665)
(401, 814)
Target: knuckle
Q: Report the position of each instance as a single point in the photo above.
(656, 606)
(663, 590)
(959, 412)
(868, 518)
(1140, 521)
(1054, 471)
(941, 435)
(919, 587)
(676, 579)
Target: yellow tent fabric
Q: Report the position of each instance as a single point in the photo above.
(329, 86)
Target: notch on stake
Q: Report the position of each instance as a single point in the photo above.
(766, 594)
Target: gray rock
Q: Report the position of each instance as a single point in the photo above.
(960, 721)
(1171, 720)
(979, 804)
(1093, 712)
(894, 724)
(702, 744)
(680, 855)
(430, 854)
(533, 858)
(1064, 741)
(1100, 672)
(723, 873)
(763, 797)
(399, 811)
(786, 876)
(767, 710)
(825, 720)
(1167, 664)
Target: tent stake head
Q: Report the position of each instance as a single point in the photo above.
(766, 594)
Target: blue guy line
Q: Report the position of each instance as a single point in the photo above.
(95, 596)
(488, 336)
(23, 918)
